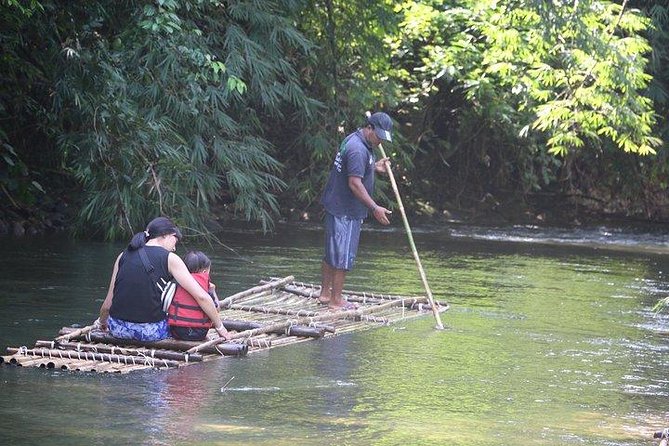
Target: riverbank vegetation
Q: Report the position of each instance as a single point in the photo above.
(114, 112)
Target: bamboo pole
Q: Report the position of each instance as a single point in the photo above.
(26, 361)
(416, 257)
(75, 333)
(113, 349)
(268, 286)
(167, 344)
(295, 288)
(409, 302)
(279, 326)
(55, 355)
(261, 309)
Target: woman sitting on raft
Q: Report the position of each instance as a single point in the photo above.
(132, 308)
(186, 317)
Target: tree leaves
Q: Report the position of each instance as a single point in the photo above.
(162, 107)
(578, 68)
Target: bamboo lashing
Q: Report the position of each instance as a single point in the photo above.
(113, 349)
(92, 356)
(416, 257)
(300, 321)
(260, 309)
(365, 294)
(373, 298)
(260, 288)
(273, 314)
(168, 344)
(75, 333)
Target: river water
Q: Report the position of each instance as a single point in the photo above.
(550, 340)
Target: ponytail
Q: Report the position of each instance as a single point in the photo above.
(156, 227)
(138, 241)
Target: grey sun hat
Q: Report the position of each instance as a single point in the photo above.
(382, 125)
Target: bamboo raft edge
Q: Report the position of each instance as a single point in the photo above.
(275, 313)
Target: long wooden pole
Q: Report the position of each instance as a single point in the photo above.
(416, 257)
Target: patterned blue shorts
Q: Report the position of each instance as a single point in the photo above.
(147, 331)
(342, 235)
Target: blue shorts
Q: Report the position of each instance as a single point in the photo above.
(342, 235)
(147, 331)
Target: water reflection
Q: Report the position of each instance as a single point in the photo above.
(545, 344)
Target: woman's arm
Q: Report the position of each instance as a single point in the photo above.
(183, 277)
(212, 293)
(106, 305)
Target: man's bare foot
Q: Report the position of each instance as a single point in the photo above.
(324, 300)
(345, 306)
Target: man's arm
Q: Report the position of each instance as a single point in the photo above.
(359, 191)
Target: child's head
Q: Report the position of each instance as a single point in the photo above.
(196, 261)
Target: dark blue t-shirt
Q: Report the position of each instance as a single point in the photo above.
(355, 158)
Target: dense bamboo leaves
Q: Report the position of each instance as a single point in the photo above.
(161, 108)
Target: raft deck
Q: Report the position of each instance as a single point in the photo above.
(279, 311)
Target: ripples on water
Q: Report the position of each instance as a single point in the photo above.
(595, 237)
(550, 341)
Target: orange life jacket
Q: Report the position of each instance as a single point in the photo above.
(184, 310)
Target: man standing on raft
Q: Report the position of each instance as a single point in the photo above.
(347, 199)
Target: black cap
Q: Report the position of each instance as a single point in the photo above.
(382, 125)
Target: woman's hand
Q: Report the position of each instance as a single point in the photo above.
(214, 296)
(100, 324)
(222, 332)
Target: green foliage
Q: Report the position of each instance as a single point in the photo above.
(190, 107)
(514, 83)
(662, 306)
(16, 182)
(349, 74)
(578, 69)
(160, 108)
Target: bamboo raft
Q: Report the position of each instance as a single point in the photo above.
(277, 312)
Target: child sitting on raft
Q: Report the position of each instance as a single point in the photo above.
(186, 319)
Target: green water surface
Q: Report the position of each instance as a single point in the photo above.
(544, 345)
